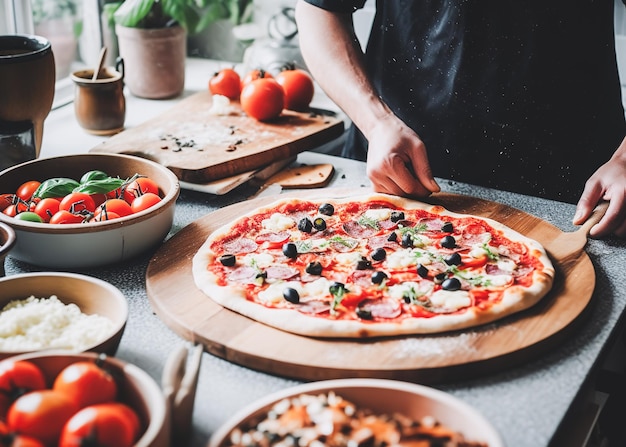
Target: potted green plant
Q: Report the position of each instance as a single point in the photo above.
(152, 39)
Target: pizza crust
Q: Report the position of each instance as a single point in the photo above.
(514, 300)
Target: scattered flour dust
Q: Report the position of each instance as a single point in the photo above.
(47, 323)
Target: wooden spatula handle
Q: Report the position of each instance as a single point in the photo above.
(595, 217)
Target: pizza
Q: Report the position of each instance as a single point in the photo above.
(370, 266)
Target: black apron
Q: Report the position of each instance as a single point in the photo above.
(518, 96)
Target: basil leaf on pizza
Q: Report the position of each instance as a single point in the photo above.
(370, 266)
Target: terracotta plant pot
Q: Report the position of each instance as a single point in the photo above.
(154, 60)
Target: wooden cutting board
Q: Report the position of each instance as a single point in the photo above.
(200, 146)
(426, 359)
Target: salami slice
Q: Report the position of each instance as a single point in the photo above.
(281, 272)
(243, 274)
(379, 308)
(354, 229)
(240, 245)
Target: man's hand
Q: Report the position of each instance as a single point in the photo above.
(397, 162)
(607, 183)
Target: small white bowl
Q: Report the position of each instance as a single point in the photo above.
(88, 245)
(136, 388)
(91, 295)
(382, 396)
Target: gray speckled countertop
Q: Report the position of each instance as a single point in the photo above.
(525, 403)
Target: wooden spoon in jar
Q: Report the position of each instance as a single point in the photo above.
(96, 72)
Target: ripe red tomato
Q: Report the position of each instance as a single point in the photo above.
(262, 99)
(226, 82)
(144, 202)
(46, 208)
(41, 414)
(112, 424)
(298, 87)
(18, 378)
(118, 206)
(16, 208)
(253, 75)
(65, 217)
(27, 189)
(6, 200)
(139, 187)
(86, 383)
(10, 439)
(76, 202)
(104, 216)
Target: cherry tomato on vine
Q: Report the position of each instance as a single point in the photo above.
(86, 383)
(226, 82)
(10, 439)
(253, 75)
(18, 378)
(104, 216)
(262, 99)
(46, 208)
(65, 217)
(76, 202)
(111, 424)
(144, 202)
(298, 86)
(27, 189)
(6, 200)
(118, 206)
(138, 187)
(16, 208)
(41, 414)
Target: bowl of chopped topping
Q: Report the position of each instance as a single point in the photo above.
(56, 398)
(7, 241)
(60, 311)
(351, 412)
(88, 210)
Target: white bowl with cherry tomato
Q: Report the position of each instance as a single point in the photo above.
(89, 210)
(59, 400)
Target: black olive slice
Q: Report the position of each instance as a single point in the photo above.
(448, 242)
(291, 295)
(397, 216)
(319, 224)
(228, 260)
(447, 227)
(453, 259)
(422, 271)
(290, 250)
(363, 263)
(326, 209)
(451, 284)
(305, 225)
(407, 241)
(314, 268)
(379, 254)
(379, 277)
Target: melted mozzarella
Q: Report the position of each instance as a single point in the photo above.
(260, 260)
(407, 257)
(378, 214)
(278, 222)
(450, 300)
(349, 259)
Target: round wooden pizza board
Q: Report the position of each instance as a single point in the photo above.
(424, 359)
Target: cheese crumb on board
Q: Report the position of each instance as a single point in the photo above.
(47, 323)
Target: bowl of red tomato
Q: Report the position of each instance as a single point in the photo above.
(62, 400)
(89, 210)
